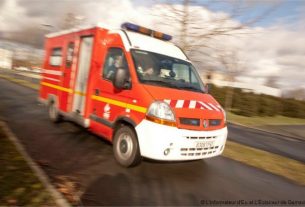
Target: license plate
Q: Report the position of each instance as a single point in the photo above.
(204, 144)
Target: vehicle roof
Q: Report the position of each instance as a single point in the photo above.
(77, 29)
(136, 40)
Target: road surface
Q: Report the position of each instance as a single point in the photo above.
(278, 144)
(68, 150)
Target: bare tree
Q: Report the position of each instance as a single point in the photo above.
(201, 31)
(233, 66)
(71, 20)
(195, 29)
(271, 81)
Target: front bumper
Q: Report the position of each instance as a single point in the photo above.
(162, 142)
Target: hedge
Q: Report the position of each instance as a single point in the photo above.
(249, 104)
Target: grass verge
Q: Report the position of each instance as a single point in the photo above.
(19, 185)
(276, 164)
(257, 121)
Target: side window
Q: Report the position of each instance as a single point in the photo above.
(69, 56)
(193, 80)
(115, 58)
(56, 57)
(182, 72)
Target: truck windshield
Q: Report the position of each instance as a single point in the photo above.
(156, 69)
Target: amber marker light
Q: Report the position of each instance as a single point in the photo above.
(161, 121)
(161, 113)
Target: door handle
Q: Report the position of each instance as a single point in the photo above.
(97, 91)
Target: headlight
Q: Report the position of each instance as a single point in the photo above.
(161, 113)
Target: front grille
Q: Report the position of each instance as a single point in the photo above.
(189, 121)
(198, 151)
(196, 122)
(201, 138)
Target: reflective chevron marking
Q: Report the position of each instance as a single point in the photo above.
(192, 104)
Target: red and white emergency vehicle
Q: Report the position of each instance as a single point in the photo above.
(134, 88)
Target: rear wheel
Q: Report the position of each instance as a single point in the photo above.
(54, 113)
(125, 147)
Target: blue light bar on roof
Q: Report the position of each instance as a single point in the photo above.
(144, 30)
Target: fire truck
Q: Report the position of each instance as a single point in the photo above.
(134, 88)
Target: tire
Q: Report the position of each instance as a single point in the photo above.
(125, 147)
(54, 113)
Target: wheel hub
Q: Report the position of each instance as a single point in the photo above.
(125, 146)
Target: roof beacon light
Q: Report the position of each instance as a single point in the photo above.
(146, 31)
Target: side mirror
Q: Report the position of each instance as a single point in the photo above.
(207, 88)
(121, 79)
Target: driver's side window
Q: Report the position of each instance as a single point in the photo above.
(115, 59)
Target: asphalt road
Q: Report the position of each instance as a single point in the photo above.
(297, 131)
(278, 144)
(68, 150)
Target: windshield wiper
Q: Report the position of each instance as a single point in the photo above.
(173, 85)
(190, 87)
(157, 82)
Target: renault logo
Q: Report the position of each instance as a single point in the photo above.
(205, 123)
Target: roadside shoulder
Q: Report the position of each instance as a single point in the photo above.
(58, 198)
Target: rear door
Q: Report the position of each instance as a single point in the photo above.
(84, 64)
(66, 76)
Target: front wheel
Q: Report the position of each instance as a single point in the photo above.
(126, 147)
(54, 113)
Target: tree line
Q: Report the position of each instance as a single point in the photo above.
(250, 104)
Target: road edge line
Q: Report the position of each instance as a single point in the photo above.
(58, 197)
(262, 130)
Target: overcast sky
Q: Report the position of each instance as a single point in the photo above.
(276, 46)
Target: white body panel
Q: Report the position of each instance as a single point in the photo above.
(144, 42)
(183, 144)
